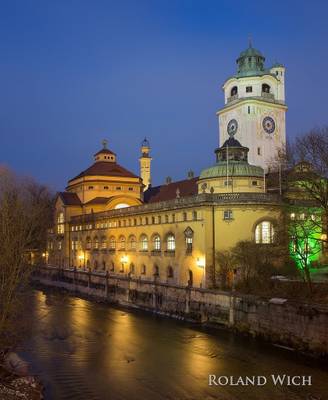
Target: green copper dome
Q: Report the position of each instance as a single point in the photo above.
(237, 164)
(250, 62)
(235, 168)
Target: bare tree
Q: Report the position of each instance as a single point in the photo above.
(24, 216)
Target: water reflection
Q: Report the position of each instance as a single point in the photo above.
(84, 350)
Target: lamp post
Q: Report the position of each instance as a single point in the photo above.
(124, 260)
(200, 262)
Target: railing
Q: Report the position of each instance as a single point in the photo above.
(267, 95)
(189, 201)
(232, 98)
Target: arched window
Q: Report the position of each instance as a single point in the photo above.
(96, 243)
(112, 243)
(234, 91)
(122, 242)
(95, 264)
(157, 243)
(132, 243)
(264, 232)
(170, 273)
(104, 243)
(156, 270)
(143, 269)
(266, 88)
(189, 236)
(170, 242)
(143, 243)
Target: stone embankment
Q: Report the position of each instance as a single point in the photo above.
(301, 326)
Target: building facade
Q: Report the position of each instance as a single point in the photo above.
(110, 219)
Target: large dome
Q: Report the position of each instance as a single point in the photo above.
(235, 168)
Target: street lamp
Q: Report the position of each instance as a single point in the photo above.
(124, 260)
(200, 262)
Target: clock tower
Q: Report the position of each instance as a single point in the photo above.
(254, 108)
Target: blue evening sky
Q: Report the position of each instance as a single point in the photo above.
(75, 72)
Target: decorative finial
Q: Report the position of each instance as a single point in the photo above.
(250, 40)
(104, 143)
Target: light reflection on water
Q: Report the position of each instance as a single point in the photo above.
(85, 350)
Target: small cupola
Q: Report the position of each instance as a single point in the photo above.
(105, 154)
(250, 62)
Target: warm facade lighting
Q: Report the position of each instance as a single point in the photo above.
(200, 262)
(124, 259)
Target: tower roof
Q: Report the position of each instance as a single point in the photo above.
(232, 159)
(145, 143)
(250, 62)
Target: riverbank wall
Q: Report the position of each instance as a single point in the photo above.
(303, 327)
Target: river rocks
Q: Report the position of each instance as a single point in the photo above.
(15, 383)
(27, 388)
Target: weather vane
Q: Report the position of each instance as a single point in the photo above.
(250, 40)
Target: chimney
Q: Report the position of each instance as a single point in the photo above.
(168, 180)
(190, 174)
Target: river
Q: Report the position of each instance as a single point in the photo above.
(87, 350)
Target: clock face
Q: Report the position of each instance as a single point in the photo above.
(269, 125)
(232, 127)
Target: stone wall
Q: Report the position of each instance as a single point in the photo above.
(298, 325)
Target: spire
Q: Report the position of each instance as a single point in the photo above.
(105, 143)
(145, 161)
(250, 40)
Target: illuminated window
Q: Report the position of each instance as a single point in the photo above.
(112, 243)
(170, 243)
(143, 243)
(122, 242)
(60, 223)
(103, 242)
(157, 243)
(292, 216)
(264, 233)
(121, 205)
(96, 243)
(132, 243)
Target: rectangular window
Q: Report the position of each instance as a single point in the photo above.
(130, 188)
(90, 187)
(259, 151)
(249, 109)
(228, 183)
(249, 89)
(227, 214)
(254, 183)
(159, 219)
(106, 187)
(118, 188)
(194, 215)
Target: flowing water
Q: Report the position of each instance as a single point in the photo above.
(86, 350)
